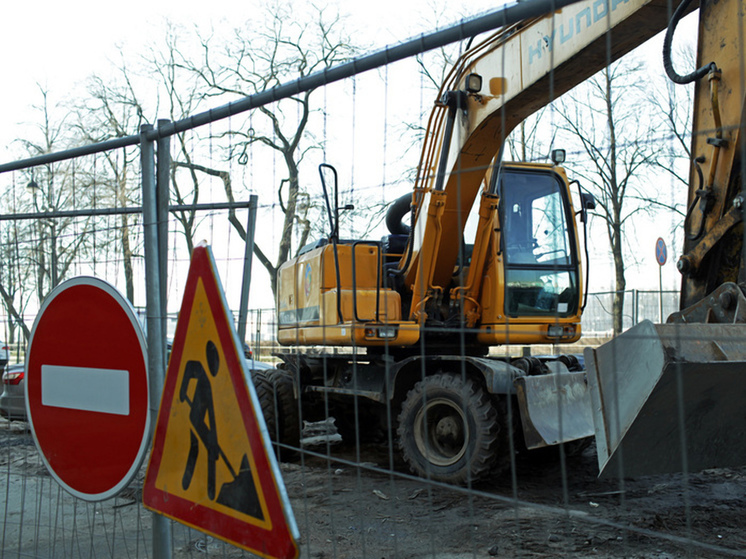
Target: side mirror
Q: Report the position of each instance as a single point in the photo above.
(587, 202)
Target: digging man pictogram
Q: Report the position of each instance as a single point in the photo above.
(202, 417)
(240, 494)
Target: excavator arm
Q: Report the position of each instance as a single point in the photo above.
(663, 396)
(492, 88)
(713, 235)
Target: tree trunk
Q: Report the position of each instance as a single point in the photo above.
(617, 197)
(129, 275)
(289, 221)
(621, 284)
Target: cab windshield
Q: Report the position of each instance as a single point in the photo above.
(541, 272)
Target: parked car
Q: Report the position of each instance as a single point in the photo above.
(250, 361)
(13, 400)
(4, 354)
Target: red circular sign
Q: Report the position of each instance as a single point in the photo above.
(87, 390)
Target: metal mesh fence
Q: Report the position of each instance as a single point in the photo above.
(371, 439)
(358, 499)
(639, 305)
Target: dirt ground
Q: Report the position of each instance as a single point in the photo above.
(354, 502)
(540, 509)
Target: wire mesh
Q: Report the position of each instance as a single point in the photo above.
(347, 423)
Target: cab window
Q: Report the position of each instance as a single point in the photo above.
(537, 240)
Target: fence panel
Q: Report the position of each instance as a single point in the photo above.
(385, 451)
(638, 305)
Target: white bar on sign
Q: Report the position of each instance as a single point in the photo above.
(86, 389)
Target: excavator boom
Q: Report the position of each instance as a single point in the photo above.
(525, 67)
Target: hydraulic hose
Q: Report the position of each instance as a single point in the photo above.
(395, 215)
(668, 40)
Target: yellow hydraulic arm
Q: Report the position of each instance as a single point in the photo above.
(668, 397)
(713, 243)
(492, 88)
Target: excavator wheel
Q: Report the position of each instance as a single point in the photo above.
(265, 394)
(448, 429)
(288, 418)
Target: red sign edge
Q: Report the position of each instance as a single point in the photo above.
(233, 531)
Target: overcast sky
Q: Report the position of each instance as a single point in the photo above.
(58, 43)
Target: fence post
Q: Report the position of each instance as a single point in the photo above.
(257, 331)
(162, 546)
(243, 310)
(660, 294)
(162, 193)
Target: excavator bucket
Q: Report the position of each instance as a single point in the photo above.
(669, 398)
(555, 408)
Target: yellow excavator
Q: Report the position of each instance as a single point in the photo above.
(394, 335)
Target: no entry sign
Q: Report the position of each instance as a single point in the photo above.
(87, 388)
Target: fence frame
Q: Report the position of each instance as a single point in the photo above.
(155, 181)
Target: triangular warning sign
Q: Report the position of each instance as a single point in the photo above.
(212, 467)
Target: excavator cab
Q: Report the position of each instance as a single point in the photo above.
(532, 290)
(541, 260)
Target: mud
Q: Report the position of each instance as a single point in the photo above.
(354, 502)
(544, 507)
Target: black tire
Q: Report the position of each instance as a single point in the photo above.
(288, 418)
(265, 394)
(448, 430)
(503, 462)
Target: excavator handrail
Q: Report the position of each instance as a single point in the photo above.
(355, 315)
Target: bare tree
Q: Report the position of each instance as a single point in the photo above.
(290, 45)
(15, 273)
(604, 117)
(672, 108)
(181, 95)
(118, 107)
(112, 111)
(52, 187)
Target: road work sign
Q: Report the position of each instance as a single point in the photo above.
(212, 467)
(87, 388)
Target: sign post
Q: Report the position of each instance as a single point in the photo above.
(87, 390)
(660, 257)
